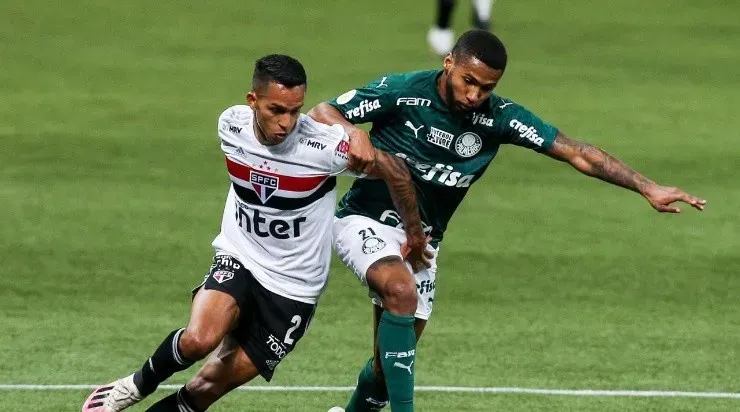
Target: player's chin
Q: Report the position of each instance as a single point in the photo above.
(276, 138)
(464, 108)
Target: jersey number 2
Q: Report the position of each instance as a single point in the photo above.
(296, 321)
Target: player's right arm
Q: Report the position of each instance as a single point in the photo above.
(396, 175)
(363, 105)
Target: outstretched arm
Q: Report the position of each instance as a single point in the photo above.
(361, 151)
(592, 161)
(396, 175)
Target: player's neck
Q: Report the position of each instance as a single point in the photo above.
(259, 134)
(442, 87)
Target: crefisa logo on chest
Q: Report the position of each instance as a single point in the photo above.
(481, 119)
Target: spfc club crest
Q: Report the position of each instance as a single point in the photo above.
(263, 184)
(222, 276)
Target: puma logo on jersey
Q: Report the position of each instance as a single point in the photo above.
(527, 132)
(480, 118)
(365, 106)
(382, 82)
(407, 367)
(415, 129)
(505, 104)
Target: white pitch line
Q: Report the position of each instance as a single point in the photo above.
(582, 392)
(457, 389)
(25, 387)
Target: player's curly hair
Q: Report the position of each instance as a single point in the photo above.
(484, 46)
(278, 68)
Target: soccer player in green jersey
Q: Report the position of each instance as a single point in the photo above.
(448, 126)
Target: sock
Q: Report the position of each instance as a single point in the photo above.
(165, 361)
(482, 14)
(176, 402)
(397, 344)
(444, 13)
(370, 394)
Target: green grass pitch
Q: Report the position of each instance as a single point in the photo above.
(112, 187)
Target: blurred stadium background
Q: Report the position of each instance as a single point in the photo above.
(112, 187)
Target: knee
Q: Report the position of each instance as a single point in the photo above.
(196, 344)
(399, 296)
(204, 391)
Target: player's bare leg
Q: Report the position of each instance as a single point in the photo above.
(213, 314)
(227, 368)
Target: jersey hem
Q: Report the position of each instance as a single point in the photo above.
(257, 276)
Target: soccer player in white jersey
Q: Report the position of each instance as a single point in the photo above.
(273, 253)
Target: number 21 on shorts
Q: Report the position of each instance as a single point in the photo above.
(367, 233)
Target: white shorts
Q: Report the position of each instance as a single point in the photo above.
(360, 241)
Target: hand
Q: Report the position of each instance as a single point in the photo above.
(661, 197)
(415, 251)
(361, 152)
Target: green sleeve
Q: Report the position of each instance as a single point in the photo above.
(521, 127)
(371, 102)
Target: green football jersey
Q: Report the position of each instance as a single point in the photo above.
(445, 153)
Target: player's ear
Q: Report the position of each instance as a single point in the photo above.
(252, 99)
(448, 62)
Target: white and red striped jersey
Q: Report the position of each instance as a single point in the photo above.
(280, 206)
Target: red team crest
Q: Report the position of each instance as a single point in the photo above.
(343, 147)
(263, 184)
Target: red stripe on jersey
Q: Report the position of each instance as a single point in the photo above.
(290, 183)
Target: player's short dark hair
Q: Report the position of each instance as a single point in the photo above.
(484, 46)
(278, 68)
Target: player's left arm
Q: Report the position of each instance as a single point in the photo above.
(397, 177)
(592, 161)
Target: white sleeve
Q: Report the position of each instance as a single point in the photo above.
(340, 158)
(231, 123)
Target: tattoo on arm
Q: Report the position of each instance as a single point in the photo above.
(398, 178)
(595, 162)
